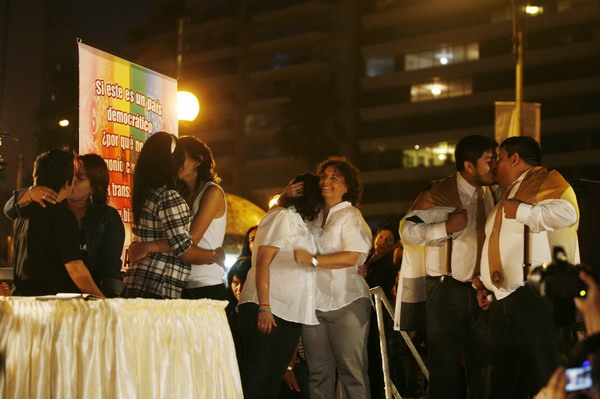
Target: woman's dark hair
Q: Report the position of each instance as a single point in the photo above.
(156, 167)
(246, 252)
(351, 178)
(97, 173)
(240, 268)
(309, 204)
(197, 150)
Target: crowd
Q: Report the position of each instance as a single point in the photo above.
(299, 304)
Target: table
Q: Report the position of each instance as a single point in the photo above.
(117, 348)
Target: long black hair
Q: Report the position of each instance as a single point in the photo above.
(197, 150)
(310, 203)
(246, 252)
(156, 167)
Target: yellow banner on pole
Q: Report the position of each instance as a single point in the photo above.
(506, 120)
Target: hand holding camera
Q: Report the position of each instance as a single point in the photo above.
(560, 278)
(564, 280)
(590, 305)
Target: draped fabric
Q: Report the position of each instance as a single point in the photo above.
(538, 185)
(410, 301)
(117, 348)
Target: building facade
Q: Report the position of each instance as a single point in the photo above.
(433, 70)
(393, 84)
(247, 61)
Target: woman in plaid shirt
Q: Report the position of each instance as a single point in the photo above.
(161, 213)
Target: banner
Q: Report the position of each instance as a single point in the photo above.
(121, 104)
(506, 120)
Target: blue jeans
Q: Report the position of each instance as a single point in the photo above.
(266, 355)
(456, 326)
(523, 341)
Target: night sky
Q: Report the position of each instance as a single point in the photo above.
(23, 32)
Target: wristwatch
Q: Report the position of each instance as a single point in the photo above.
(314, 261)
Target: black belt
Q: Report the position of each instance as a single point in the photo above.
(448, 280)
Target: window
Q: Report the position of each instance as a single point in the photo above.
(263, 120)
(439, 155)
(441, 89)
(379, 66)
(442, 56)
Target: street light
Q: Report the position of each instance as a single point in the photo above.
(531, 8)
(187, 106)
(534, 10)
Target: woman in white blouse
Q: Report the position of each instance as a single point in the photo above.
(279, 295)
(343, 302)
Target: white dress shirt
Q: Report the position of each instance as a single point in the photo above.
(292, 286)
(432, 233)
(344, 230)
(541, 217)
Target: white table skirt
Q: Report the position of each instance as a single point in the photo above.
(117, 348)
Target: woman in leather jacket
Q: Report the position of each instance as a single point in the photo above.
(101, 229)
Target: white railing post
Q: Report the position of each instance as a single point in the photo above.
(390, 388)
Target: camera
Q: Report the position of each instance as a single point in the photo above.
(559, 279)
(579, 378)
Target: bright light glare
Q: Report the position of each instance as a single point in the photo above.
(534, 10)
(436, 90)
(63, 123)
(273, 201)
(187, 106)
(442, 157)
(444, 60)
(229, 261)
(417, 147)
(441, 148)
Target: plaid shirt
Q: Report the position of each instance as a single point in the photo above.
(165, 215)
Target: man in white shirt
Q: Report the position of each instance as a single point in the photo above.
(446, 224)
(538, 211)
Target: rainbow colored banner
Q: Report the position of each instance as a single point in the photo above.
(121, 104)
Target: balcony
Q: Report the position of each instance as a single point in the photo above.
(584, 15)
(305, 39)
(532, 93)
(471, 68)
(305, 69)
(303, 9)
(200, 57)
(408, 15)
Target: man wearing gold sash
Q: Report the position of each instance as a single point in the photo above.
(443, 235)
(537, 212)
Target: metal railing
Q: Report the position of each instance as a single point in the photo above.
(390, 388)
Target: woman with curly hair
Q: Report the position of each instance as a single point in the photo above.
(343, 305)
(278, 296)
